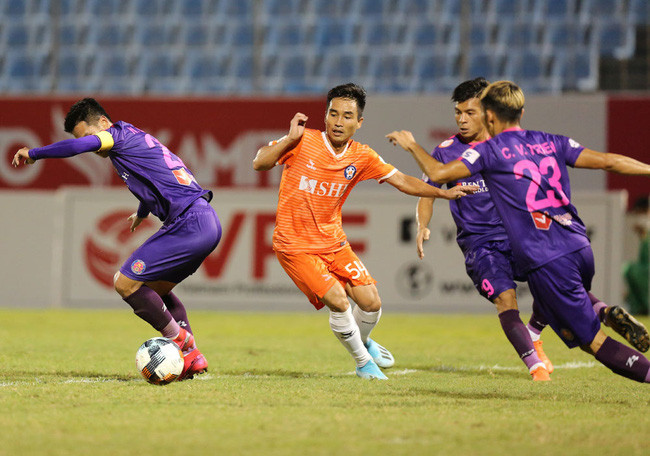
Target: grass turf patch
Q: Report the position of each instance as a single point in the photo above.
(280, 384)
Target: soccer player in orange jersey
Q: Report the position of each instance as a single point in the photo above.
(320, 170)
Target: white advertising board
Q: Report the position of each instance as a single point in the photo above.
(243, 273)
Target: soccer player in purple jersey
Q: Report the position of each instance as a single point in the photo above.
(481, 235)
(526, 172)
(165, 188)
(483, 240)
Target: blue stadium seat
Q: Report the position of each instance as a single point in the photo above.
(238, 9)
(195, 34)
(506, 9)
(108, 8)
(436, 66)
(17, 34)
(241, 34)
(242, 66)
(485, 62)
(205, 65)
(26, 72)
(559, 10)
(338, 66)
(15, 9)
(114, 63)
(109, 34)
(450, 10)
(519, 35)
(375, 34)
(371, 10)
(616, 40)
(155, 34)
(639, 12)
(190, 9)
(425, 34)
(578, 69)
(333, 32)
(560, 35)
(277, 9)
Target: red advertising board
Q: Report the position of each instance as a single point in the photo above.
(626, 123)
(216, 138)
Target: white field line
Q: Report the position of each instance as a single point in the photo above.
(496, 367)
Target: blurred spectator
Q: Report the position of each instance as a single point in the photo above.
(636, 273)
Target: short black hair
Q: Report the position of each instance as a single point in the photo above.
(469, 89)
(88, 110)
(351, 91)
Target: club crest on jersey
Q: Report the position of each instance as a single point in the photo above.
(138, 267)
(541, 221)
(349, 172)
(446, 143)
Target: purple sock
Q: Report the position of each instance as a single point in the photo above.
(519, 337)
(177, 309)
(624, 360)
(537, 322)
(598, 305)
(149, 306)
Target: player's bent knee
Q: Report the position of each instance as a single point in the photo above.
(124, 286)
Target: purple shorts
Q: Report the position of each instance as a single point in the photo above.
(560, 288)
(491, 269)
(176, 250)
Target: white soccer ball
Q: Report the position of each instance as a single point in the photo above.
(159, 360)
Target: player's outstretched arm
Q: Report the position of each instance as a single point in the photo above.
(268, 156)
(435, 170)
(614, 163)
(423, 214)
(61, 149)
(415, 187)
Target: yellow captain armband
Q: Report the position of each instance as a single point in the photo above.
(106, 140)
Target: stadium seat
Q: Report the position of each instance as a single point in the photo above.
(190, 9)
(371, 11)
(615, 40)
(109, 34)
(485, 62)
(639, 13)
(333, 33)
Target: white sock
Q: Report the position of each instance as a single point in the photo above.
(533, 335)
(366, 321)
(346, 330)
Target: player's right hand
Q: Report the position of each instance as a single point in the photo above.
(297, 126)
(135, 221)
(423, 235)
(458, 191)
(403, 138)
(22, 154)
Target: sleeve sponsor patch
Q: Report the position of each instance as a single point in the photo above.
(574, 144)
(470, 155)
(446, 143)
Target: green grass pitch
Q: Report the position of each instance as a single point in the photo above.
(281, 384)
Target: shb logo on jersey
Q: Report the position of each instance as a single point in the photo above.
(470, 155)
(321, 188)
(574, 144)
(446, 143)
(349, 172)
(311, 165)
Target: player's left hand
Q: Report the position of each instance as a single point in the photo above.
(459, 191)
(135, 221)
(22, 154)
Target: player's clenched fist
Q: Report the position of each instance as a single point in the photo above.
(297, 126)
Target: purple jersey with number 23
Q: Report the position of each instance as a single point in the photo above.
(526, 172)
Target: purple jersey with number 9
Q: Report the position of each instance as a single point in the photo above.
(526, 172)
(157, 177)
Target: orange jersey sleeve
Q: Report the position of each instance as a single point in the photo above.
(315, 183)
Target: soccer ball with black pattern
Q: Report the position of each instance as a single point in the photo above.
(159, 360)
